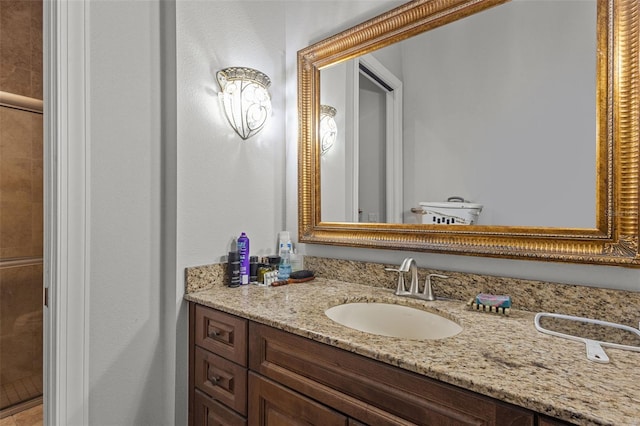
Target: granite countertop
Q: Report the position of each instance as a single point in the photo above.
(504, 357)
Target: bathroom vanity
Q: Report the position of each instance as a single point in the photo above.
(263, 355)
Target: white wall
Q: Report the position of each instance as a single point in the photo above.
(225, 185)
(137, 339)
(526, 150)
(130, 377)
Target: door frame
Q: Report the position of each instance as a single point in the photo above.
(66, 212)
(394, 161)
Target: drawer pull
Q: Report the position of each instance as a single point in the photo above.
(215, 379)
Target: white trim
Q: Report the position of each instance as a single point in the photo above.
(66, 214)
(394, 144)
(352, 142)
(395, 185)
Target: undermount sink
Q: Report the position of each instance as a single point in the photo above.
(392, 320)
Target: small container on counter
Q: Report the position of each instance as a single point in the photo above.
(233, 269)
(263, 268)
(253, 269)
(270, 277)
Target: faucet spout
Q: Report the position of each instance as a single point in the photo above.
(408, 264)
(413, 288)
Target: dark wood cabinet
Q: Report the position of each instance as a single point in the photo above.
(221, 379)
(369, 391)
(549, 421)
(271, 404)
(218, 367)
(242, 372)
(209, 412)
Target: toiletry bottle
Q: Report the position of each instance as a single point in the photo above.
(233, 269)
(274, 261)
(263, 268)
(253, 269)
(296, 261)
(284, 269)
(243, 250)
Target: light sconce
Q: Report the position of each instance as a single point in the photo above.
(328, 127)
(245, 98)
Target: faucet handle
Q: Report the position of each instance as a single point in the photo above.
(436, 275)
(428, 291)
(400, 289)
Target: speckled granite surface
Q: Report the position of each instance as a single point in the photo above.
(622, 307)
(502, 357)
(199, 278)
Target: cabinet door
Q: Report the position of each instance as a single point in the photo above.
(271, 404)
(211, 413)
(221, 379)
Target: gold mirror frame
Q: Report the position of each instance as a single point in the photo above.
(614, 240)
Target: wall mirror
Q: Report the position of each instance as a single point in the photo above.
(528, 108)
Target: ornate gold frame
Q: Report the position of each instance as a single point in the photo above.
(614, 240)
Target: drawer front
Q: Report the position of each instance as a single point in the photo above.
(221, 333)
(359, 386)
(221, 379)
(273, 404)
(211, 413)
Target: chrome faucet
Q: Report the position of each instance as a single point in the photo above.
(410, 265)
(407, 265)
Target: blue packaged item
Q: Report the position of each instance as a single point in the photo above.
(496, 301)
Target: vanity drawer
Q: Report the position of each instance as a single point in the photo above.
(209, 412)
(370, 391)
(221, 333)
(221, 379)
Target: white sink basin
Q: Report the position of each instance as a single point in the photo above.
(393, 320)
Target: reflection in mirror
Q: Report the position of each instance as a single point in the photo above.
(498, 108)
(370, 166)
(328, 128)
(553, 159)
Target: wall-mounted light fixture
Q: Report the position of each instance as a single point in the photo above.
(328, 127)
(245, 99)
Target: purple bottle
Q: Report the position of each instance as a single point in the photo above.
(243, 250)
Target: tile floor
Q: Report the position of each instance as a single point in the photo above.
(19, 390)
(30, 417)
